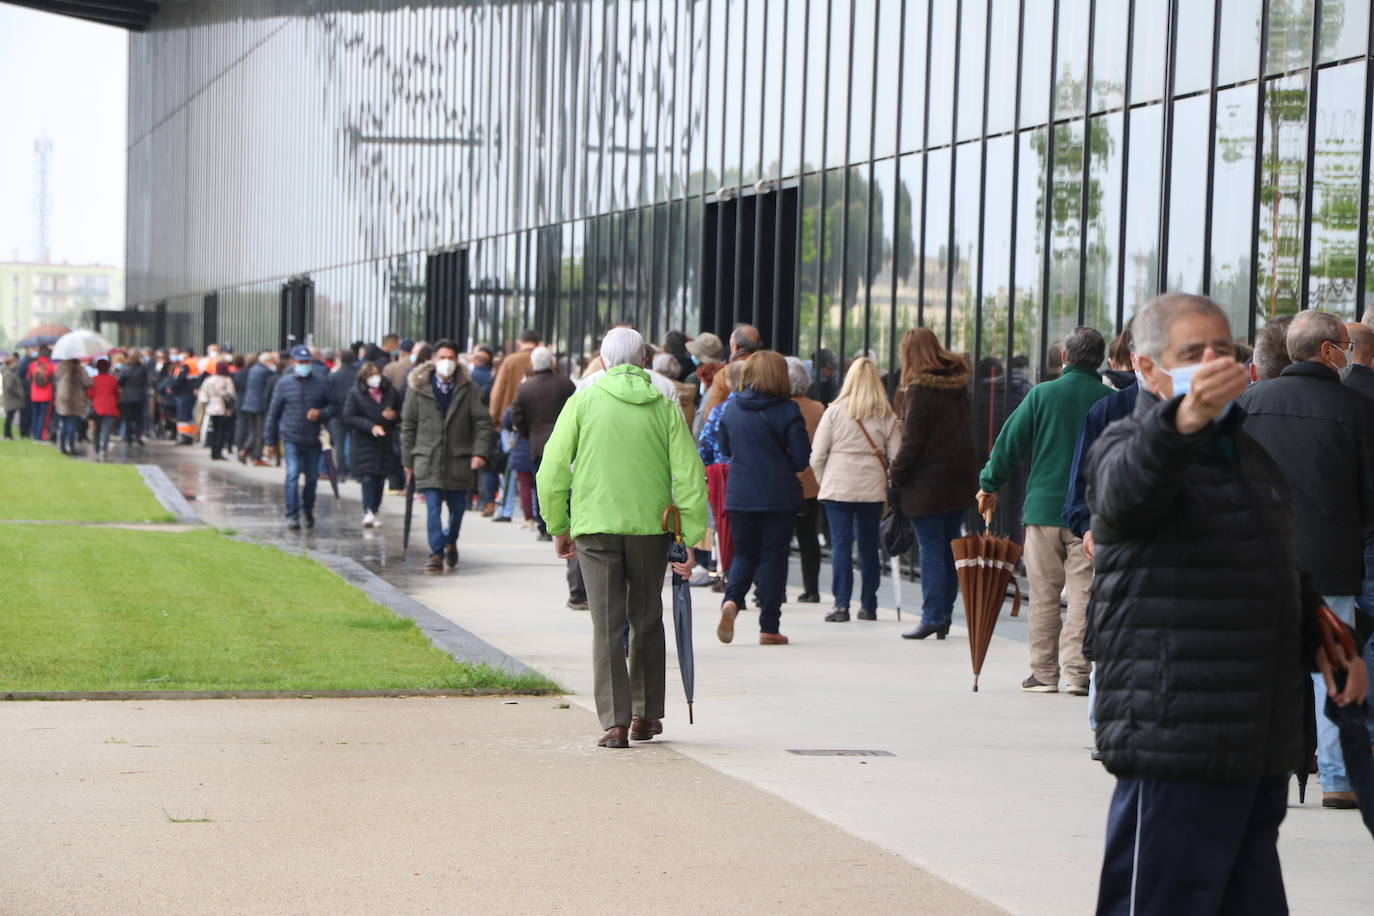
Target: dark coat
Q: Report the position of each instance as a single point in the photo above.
(1361, 379)
(766, 442)
(1104, 413)
(372, 454)
(256, 392)
(1321, 435)
(341, 382)
(291, 399)
(440, 446)
(935, 467)
(538, 402)
(133, 383)
(1201, 622)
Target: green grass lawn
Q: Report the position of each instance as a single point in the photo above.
(116, 609)
(39, 482)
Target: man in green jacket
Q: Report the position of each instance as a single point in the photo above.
(624, 454)
(1046, 426)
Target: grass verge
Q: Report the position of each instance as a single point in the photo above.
(113, 609)
(39, 482)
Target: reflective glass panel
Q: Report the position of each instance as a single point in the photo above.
(1233, 191)
(1240, 40)
(941, 98)
(1149, 51)
(1193, 58)
(1030, 220)
(996, 260)
(907, 232)
(887, 87)
(935, 245)
(1109, 55)
(1036, 44)
(964, 254)
(861, 89)
(1102, 223)
(881, 252)
(1065, 228)
(858, 269)
(1142, 209)
(837, 91)
(808, 256)
(1282, 203)
(1071, 69)
(1002, 76)
(913, 76)
(972, 51)
(1290, 35)
(1336, 189)
(1345, 29)
(794, 86)
(1188, 197)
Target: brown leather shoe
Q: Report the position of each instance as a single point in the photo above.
(772, 639)
(615, 737)
(644, 729)
(488, 510)
(725, 630)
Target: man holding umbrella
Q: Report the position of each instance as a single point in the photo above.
(625, 453)
(1203, 627)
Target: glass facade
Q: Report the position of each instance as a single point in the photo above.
(834, 171)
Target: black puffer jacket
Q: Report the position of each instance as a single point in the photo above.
(1201, 622)
(1321, 435)
(372, 454)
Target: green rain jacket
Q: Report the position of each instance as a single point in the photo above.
(625, 453)
(1046, 426)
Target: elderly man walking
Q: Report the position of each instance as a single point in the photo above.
(1046, 426)
(1321, 435)
(1202, 626)
(624, 453)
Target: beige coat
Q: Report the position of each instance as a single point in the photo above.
(845, 464)
(217, 394)
(72, 382)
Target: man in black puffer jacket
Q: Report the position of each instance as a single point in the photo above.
(1203, 628)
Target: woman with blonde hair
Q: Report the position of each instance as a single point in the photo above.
(763, 435)
(854, 444)
(935, 468)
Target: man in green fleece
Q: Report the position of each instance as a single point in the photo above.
(1046, 426)
(625, 454)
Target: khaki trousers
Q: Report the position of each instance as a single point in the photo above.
(624, 577)
(1055, 559)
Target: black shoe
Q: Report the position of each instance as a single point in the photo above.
(867, 615)
(293, 524)
(309, 519)
(545, 536)
(808, 598)
(839, 615)
(939, 631)
(451, 555)
(500, 518)
(1096, 755)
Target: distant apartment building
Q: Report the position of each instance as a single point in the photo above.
(33, 294)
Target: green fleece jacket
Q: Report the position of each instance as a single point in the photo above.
(625, 453)
(1046, 426)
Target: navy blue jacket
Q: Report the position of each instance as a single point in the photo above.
(292, 397)
(1101, 415)
(341, 382)
(255, 391)
(765, 440)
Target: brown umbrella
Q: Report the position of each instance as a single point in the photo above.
(986, 565)
(44, 335)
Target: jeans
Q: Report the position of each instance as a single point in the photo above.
(846, 521)
(761, 542)
(439, 536)
(487, 484)
(301, 458)
(1329, 757)
(104, 426)
(939, 582)
(67, 436)
(506, 509)
(372, 492)
(808, 545)
(39, 414)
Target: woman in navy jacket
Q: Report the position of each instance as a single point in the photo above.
(764, 435)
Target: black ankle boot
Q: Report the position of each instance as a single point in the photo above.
(940, 631)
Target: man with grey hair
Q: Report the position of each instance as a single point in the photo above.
(662, 384)
(619, 456)
(1203, 627)
(1045, 426)
(1271, 350)
(538, 402)
(1321, 435)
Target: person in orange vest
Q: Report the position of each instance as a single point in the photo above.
(186, 376)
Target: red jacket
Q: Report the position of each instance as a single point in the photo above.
(41, 394)
(105, 395)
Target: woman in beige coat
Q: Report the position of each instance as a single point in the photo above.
(856, 440)
(72, 382)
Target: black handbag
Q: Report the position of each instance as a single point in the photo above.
(894, 531)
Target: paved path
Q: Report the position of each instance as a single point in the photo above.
(992, 791)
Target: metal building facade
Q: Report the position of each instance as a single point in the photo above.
(835, 171)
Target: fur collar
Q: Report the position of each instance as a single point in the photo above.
(949, 380)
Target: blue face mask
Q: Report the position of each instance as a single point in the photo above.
(302, 369)
(1183, 380)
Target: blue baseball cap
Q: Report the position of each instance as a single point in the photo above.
(300, 352)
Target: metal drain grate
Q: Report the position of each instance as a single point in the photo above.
(840, 753)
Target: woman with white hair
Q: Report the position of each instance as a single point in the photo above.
(806, 528)
(854, 445)
(667, 365)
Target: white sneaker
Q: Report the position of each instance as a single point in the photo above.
(369, 520)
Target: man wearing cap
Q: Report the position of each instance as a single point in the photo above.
(300, 403)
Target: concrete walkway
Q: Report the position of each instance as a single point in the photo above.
(992, 791)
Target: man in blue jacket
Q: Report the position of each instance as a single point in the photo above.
(300, 403)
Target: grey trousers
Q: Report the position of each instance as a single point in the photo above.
(624, 576)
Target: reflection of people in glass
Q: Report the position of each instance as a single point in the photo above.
(995, 396)
(826, 366)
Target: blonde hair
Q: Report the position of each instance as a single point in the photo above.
(863, 394)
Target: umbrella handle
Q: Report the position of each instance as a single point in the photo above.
(1340, 648)
(673, 514)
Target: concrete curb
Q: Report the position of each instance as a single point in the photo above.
(168, 495)
(398, 693)
(444, 633)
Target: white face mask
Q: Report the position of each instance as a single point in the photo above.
(374, 381)
(445, 367)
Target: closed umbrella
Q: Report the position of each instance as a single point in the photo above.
(682, 609)
(81, 344)
(44, 335)
(986, 565)
(897, 539)
(328, 454)
(410, 512)
(1349, 720)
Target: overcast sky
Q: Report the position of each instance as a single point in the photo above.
(67, 79)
